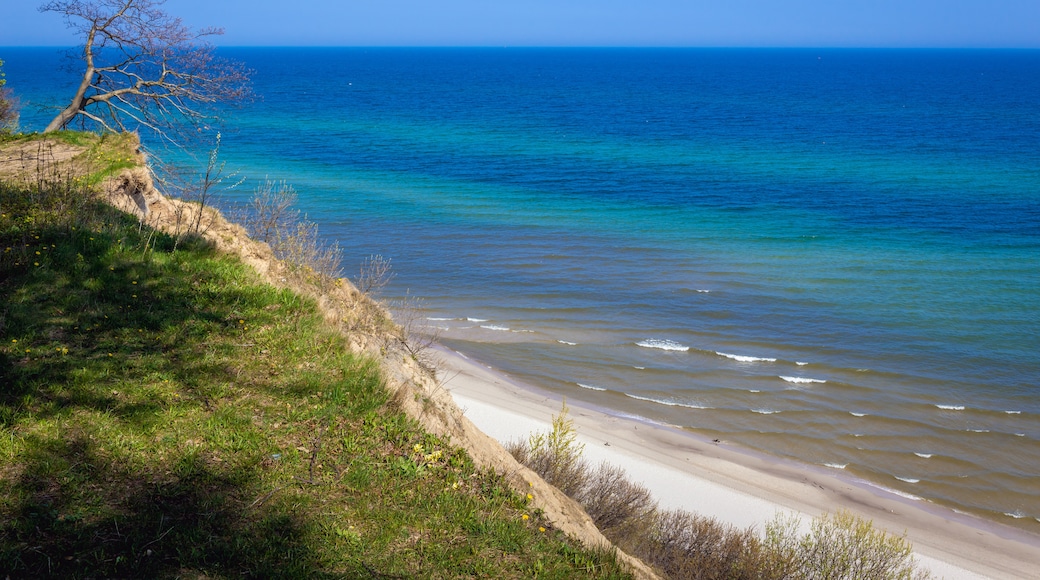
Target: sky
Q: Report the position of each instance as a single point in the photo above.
(694, 23)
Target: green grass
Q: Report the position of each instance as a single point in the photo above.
(164, 413)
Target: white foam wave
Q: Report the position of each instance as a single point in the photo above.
(663, 345)
(950, 407)
(1013, 412)
(439, 318)
(754, 391)
(743, 358)
(836, 465)
(979, 430)
(567, 342)
(1017, 514)
(854, 414)
(700, 291)
(902, 494)
(476, 319)
(908, 479)
(667, 402)
(765, 411)
(494, 327)
(923, 455)
(801, 364)
(640, 368)
(591, 387)
(802, 380)
(1020, 434)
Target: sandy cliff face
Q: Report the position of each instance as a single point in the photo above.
(415, 389)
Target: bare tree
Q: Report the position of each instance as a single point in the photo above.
(144, 68)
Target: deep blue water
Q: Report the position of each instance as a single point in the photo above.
(828, 255)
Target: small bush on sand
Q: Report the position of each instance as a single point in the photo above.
(841, 545)
(556, 455)
(686, 545)
(620, 508)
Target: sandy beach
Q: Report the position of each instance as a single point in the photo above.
(737, 486)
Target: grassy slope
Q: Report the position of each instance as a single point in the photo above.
(164, 413)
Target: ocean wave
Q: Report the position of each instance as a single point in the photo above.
(765, 411)
(663, 345)
(802, 380)
(902, 494)
(1017, 514)
(440, 318)
(1013, 412)
(978, 430)
(742, 358)
(567, 342)
(907, 479)
(476, 319)
(801, 364)
(754, 391)
(668, 402)
(854, 414)
(950, 407)
(836, 465)
(591, 387)
(700, 291)
(494, 327)
(923, 455)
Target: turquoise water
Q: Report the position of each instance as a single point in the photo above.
(831, 256)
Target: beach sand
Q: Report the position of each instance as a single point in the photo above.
(737, 486)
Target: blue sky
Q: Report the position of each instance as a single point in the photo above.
(803, 23)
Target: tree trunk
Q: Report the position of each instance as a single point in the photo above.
(77, 104)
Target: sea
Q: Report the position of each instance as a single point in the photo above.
(830, 256)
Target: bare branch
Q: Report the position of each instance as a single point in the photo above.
(145, 68)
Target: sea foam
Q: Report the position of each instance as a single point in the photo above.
(591, 387)
(668, 402)
(950, 407)
(743, 358)
(802, 380)
(663, 345)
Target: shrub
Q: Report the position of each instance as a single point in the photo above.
(621, 509)
(843, 545)
(686, 545)
(556, 456)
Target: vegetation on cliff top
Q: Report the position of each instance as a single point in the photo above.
(163, 412)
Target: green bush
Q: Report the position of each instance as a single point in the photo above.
(841, 546)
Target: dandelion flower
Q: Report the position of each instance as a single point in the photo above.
(417, 448)
(529, 497)
(525, 517)
(541, 529)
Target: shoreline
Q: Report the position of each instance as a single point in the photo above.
(735, 485)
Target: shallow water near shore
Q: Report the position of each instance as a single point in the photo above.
(826, 255)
